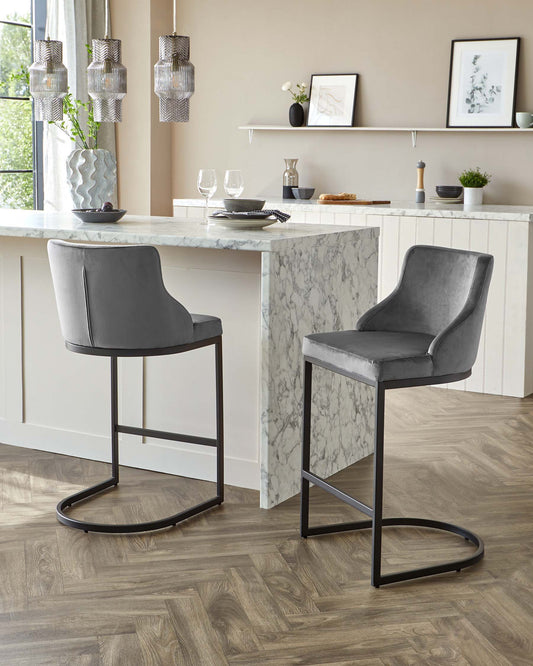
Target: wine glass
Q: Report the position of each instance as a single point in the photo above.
(233, 183)
(207, 186)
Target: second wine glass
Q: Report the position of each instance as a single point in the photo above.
(207, 186)
(233, 183)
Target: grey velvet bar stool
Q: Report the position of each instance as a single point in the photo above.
(425, 332)
(112, 301)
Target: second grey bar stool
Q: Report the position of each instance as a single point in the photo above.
(425, 332)
(112, 302)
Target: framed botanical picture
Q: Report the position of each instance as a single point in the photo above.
(332, 100)
(482, 86)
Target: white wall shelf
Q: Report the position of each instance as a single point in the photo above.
(413, 130)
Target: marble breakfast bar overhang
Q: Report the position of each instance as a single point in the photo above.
(270, 288)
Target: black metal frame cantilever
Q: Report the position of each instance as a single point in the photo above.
(376, 522)
(116, 428)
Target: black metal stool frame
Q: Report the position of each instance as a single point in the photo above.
(116, 428)
(375, 513)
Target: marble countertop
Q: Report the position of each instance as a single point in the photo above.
(174, 231)
(401, 208)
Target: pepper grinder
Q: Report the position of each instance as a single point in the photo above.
(420, 192)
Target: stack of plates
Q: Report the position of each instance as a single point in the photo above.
(256, 220)
(447, 200)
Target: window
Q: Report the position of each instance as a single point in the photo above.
(20, 137)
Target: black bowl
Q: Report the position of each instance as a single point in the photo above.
(95, 215)
(243, 205)
(449, 191)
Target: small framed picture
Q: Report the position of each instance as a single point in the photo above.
(332, 100)
(482, 86)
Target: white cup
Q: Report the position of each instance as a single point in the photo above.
(524, 119)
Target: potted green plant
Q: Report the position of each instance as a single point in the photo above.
(91, 171)
(473, 182)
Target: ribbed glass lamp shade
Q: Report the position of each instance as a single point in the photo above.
(174, 79)
(48, 80)
(107, 80)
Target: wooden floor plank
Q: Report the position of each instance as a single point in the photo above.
(119, 649)
(198, 640)
(157, 640)
(227, 617)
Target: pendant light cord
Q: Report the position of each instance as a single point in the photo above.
(175, 17)
(107, 34)
(47, 25)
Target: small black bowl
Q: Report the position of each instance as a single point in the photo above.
(449, 191)
(96, 215)
(243, 205)
(303, 192)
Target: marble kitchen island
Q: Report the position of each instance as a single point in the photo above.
(270, 288)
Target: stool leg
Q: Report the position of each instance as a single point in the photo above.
(220, 420)
(377, 514)
(114, 421)
(306, 448)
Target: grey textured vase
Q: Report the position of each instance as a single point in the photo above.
(92, 177)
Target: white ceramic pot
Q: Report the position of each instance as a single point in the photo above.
(473, 196)
(92, 177)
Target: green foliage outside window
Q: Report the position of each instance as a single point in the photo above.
(16, 190)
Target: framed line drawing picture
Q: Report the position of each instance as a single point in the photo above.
(332, 100)
(482, 84)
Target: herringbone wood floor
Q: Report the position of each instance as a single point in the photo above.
(238, 586)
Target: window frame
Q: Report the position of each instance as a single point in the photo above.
(37, 29)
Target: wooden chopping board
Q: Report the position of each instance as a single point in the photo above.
(350, 202)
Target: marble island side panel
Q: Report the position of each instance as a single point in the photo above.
(313, 285)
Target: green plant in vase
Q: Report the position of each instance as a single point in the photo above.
(91, 171)
(474, 178)
(74, 109)
(473, 182)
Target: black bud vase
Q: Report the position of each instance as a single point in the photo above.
(296, 115)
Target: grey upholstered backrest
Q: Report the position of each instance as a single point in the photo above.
(441, 292)
(113, 297)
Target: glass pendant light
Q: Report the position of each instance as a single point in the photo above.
(174, 76)
(107, 77)
(48, 77)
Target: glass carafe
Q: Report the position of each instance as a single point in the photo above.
(290, 178)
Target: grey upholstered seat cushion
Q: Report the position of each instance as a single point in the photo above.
(372, 355)
(205, 326)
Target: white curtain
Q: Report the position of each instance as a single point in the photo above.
(75, 23)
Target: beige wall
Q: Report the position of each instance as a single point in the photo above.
(143, 143)
(244, 50)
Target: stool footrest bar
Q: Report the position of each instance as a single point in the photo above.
(339, 494)
(161, 434)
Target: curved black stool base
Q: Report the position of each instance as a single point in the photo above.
(375, 512)
(454, 565)
(128, 527)
(116, 428)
